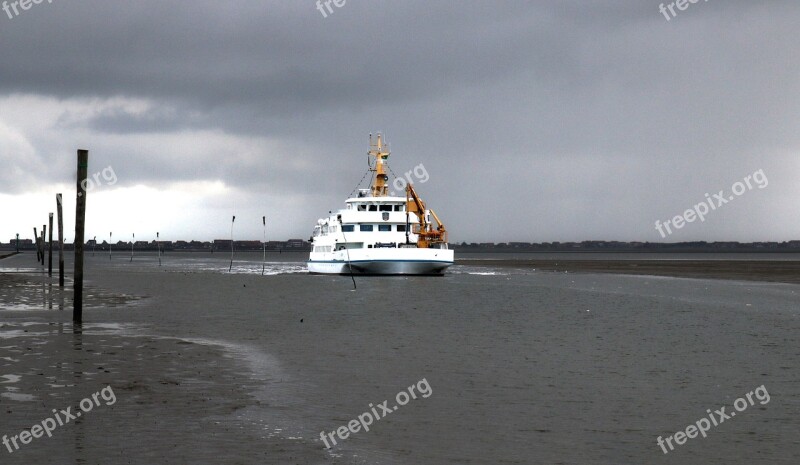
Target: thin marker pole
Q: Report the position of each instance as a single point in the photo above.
(264, 244)
(347, 251)
(60, 241)
(50, 249)
(80, 222)
(232, 221)
(94, 244)
(132, 241)
(158, 247)
(36, 239)
(44, 244)
(109, 245)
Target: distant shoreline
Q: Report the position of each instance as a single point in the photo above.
(594, 247)
(786, 271)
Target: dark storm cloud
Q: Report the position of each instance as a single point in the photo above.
(269, 67)
(279, 53)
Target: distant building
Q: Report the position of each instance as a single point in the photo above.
(222, 244)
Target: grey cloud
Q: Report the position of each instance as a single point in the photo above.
(510, 97)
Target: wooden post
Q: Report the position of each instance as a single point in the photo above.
(80, 222)
(50, 249)
(60, 241)
(36, 239)
(44, 244)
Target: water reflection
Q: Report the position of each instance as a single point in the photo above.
(78, 429)
(77, 336)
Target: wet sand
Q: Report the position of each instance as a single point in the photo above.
(739, 270)
(178, 400)
(525, 366)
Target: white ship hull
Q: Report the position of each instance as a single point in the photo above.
(382, 262)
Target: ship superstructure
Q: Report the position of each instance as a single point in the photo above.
(381, 234)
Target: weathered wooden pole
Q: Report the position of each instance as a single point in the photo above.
(60, 241)
(44, 243)
(80, 222)
(36, 239)
(50, 249)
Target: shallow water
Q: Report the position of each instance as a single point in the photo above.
(524, 366)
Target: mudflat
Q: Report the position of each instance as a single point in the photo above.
(740, 270)
(525, 365)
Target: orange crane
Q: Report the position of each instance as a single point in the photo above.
(426, 235)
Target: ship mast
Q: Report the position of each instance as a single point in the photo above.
(381, 153)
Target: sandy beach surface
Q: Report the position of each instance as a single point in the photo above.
(177, 399)
(782, 271)
(525, 366)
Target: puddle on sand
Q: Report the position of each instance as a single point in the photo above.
(23, 291)
(18, 396)
(10, 379)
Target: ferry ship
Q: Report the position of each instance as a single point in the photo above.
(379, 234)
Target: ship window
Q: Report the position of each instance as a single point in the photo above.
(350, 245)
(373, 208)
(366, 227)
(385, 227)
(348, 228)
(401, 228)
(386, 208)
(362, 207)
(398, 208)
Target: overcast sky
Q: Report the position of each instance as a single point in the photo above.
(553, 120)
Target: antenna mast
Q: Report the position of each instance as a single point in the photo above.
(381, 153)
